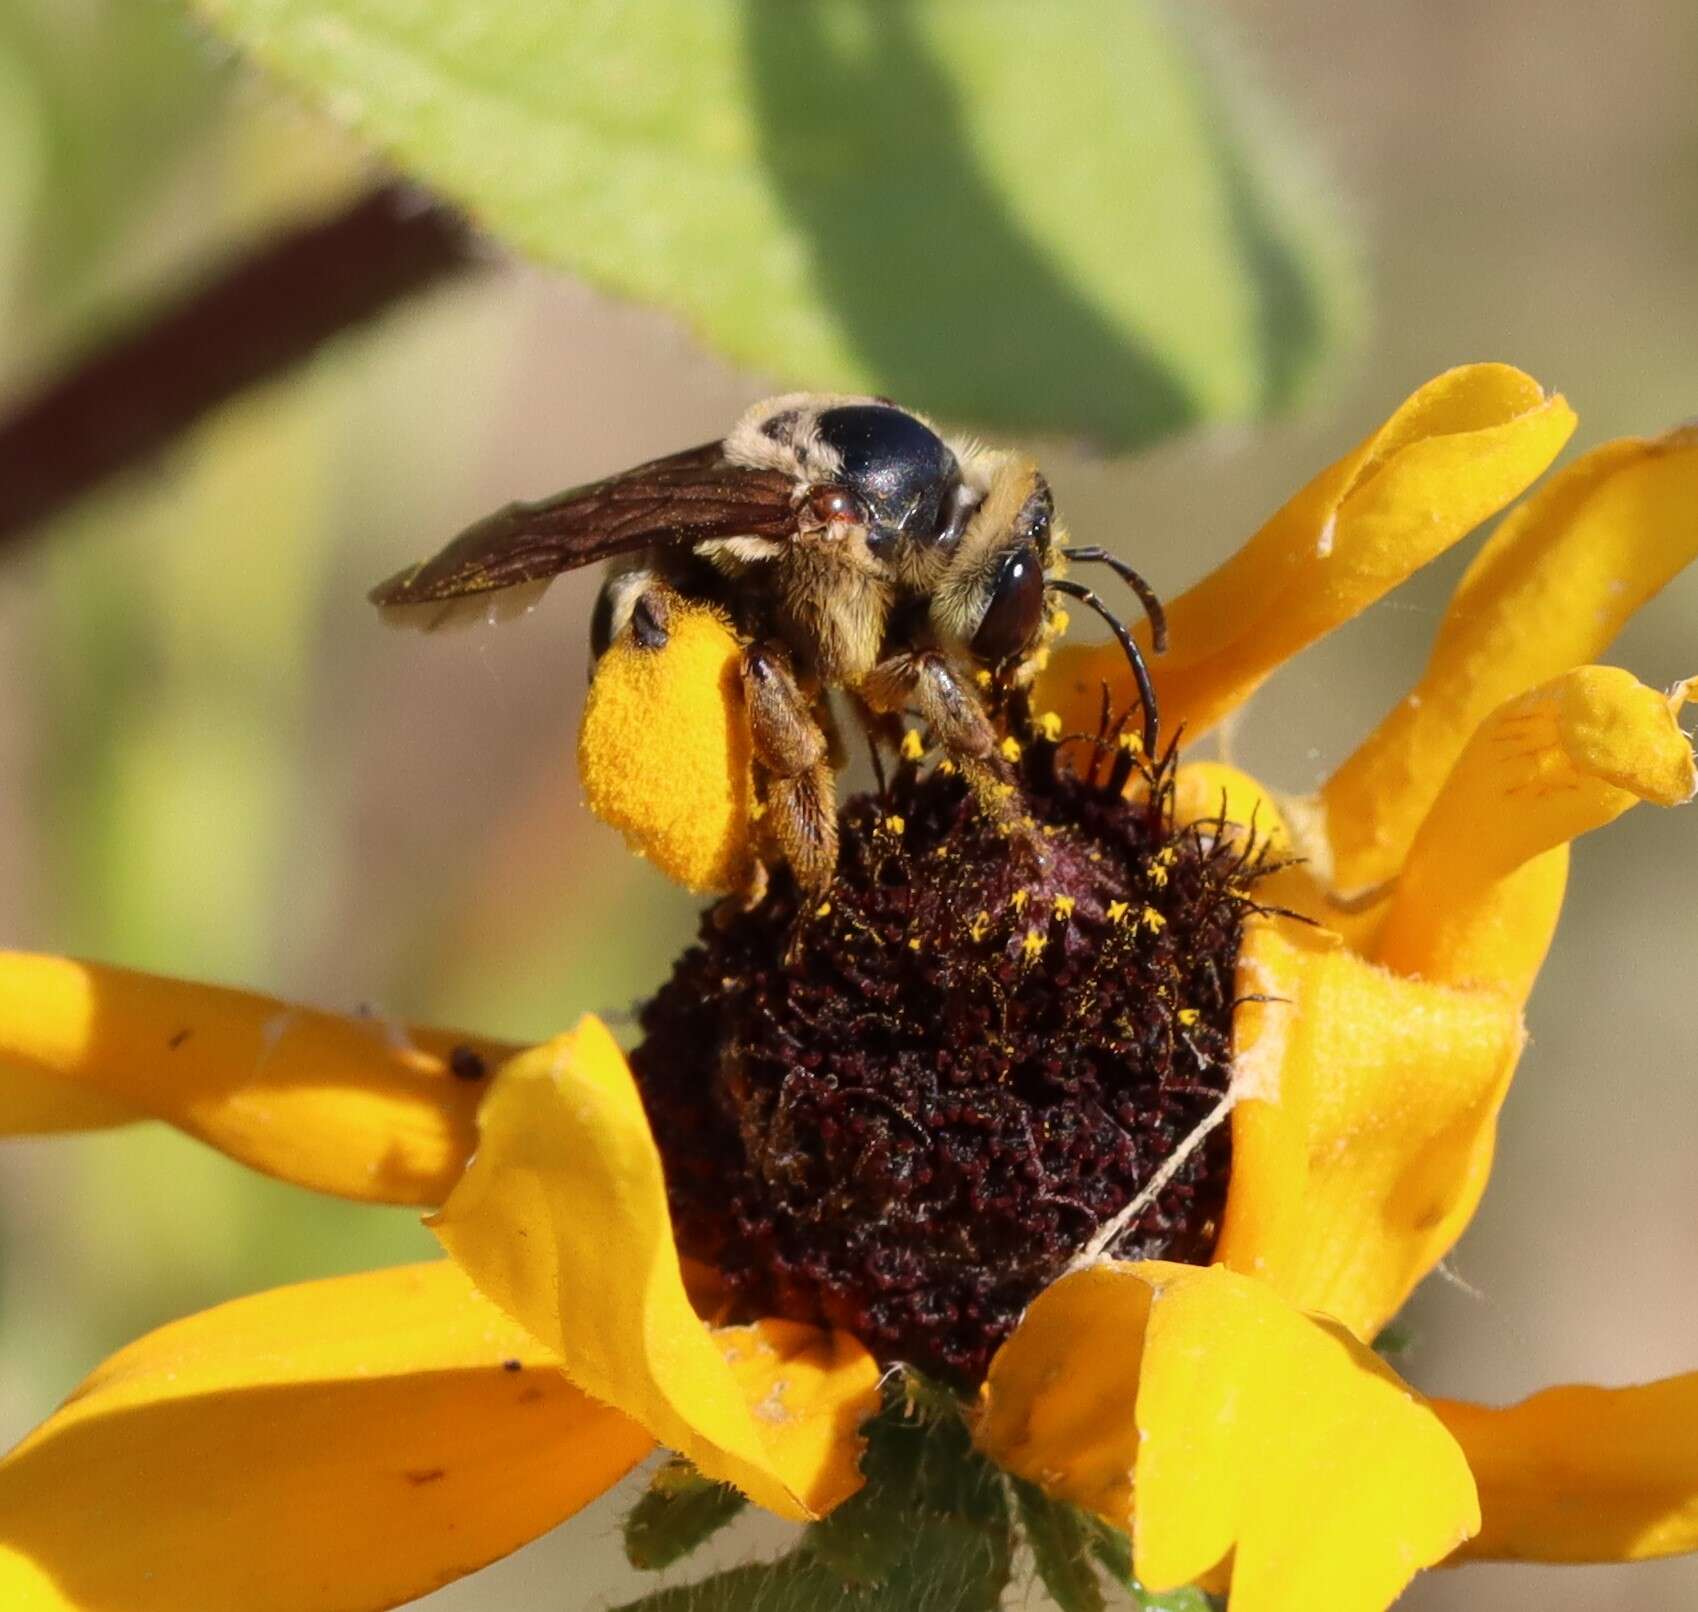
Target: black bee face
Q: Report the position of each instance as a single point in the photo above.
(905, 476)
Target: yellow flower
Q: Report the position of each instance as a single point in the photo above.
(348, 1444)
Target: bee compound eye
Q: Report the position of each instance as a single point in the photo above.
(1016, 608)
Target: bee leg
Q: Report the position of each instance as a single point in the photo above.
(730, 908)
(801, 792)
(835, 751)
(924, 682)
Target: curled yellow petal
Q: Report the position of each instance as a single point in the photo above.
(1197, 1406)
(1544, 768)
(1362, 1136)
(333, 1447)
(1549, 591)
(1452, 455)
(1584, 1474)
(664, 750)
(362, 1107)
(562, 1219)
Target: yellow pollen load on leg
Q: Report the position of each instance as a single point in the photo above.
(664, 751)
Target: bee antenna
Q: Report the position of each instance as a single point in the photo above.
(1093, 555)
(1140, 672)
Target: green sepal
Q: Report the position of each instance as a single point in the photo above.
(680, 1511)
(938, 1579)
(784, 1586)
(928, 1491)
(1063, 1546)
(931, 1527)
(1112, 1548)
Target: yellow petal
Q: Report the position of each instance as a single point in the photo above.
(362, 1107)
(664, 751)
(1582, 1474)
(1549, 591)
(1363, 1133)
(1196, 1405)
(1546, 767)
(562, 1220)
(336, 1447)
(1454, 454)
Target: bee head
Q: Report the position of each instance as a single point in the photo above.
(903, 474)
(865, 461)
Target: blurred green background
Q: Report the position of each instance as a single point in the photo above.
(213, 761)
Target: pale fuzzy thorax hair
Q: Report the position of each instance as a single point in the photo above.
(763, 440)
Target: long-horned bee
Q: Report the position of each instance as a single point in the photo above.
(851, 547)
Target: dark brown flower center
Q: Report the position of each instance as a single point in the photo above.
(904, 1109)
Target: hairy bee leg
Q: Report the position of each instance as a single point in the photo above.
(924, 681)
(953, 714)
(801, 794)
(836, 752)
(729, 908)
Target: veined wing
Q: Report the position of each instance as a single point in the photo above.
(684, 499)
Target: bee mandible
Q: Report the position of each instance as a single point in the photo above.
(851, 547)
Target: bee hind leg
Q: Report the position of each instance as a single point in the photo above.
(795, 758)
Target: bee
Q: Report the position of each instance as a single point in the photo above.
(851, 546)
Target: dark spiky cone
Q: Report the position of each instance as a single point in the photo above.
(904, 1109)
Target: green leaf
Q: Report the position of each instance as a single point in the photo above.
(680, 1511)
(1068, 217)
(1062, 1546)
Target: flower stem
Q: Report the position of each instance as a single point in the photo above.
(250, 320)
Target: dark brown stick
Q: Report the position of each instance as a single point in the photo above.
(248, 322)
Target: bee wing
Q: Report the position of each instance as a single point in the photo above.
(685, 499)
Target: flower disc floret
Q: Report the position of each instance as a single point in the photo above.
(903, 1110)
